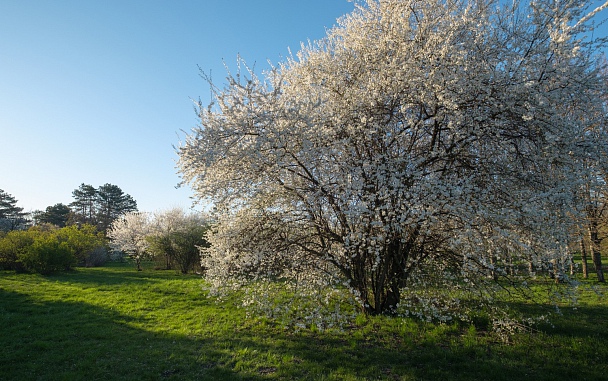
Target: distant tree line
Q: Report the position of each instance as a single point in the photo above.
(61, 236)
(94, 206)
(47, 248)
(98, 207)
(99, 221)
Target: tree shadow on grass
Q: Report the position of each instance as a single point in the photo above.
(56, 340)
(450, 358)
(115, 275)
(75, 341)
(577, 321)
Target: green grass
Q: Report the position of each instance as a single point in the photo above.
(115, 323)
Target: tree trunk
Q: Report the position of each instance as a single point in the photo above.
(493, 272)
(387, 301)
(570, 260)
(380, 289)
(584, 258)
(596, 255)
(531, 267)
(554, 270)
(597, 262)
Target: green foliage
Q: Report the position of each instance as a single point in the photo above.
(97, 257)
(113, 323)
(162, 251)
(11, 216)
(100, 206)
(187, 243)
(85, 204)
(180, 248)
(58, 215)
(176, 239)
(14, 245)
(81, 240)
(47, 254)
(112, 202)
(46, 249)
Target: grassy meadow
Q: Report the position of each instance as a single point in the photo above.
(114, 323)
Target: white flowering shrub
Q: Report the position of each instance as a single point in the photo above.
(175, 237)
(421, 147)
(128, 234)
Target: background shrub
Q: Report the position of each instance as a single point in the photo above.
(45, 248)
(47, 254)
(97, 257)
(82, 241)
(13, 245)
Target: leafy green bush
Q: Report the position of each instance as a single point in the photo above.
(45, 249)
(13, 245)
(47, 254)
(83, 241)
(176, 239)
(97, 257)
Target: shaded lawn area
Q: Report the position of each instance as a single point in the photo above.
(115, 323)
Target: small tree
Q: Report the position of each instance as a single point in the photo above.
(188, 243)
(129, 234)
(177, 236)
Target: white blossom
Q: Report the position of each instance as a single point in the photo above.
(128, 234)
(421, 145)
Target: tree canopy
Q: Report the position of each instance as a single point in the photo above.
(422, 146)
(178, 235)
(58, 214)
(129, 233)
(101, 206)
(11, 215)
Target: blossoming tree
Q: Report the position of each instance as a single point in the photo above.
(129, 234)
(177, 235)
(421, 146)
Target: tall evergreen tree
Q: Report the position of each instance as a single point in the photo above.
(112, 202)
(11, 216)
(100, 206)
(57, 214)
(84, 204)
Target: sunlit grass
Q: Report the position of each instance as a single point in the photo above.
(115, 323)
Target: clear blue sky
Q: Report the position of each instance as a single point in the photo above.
(97, 92)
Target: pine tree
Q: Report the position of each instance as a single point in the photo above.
(11, 216)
